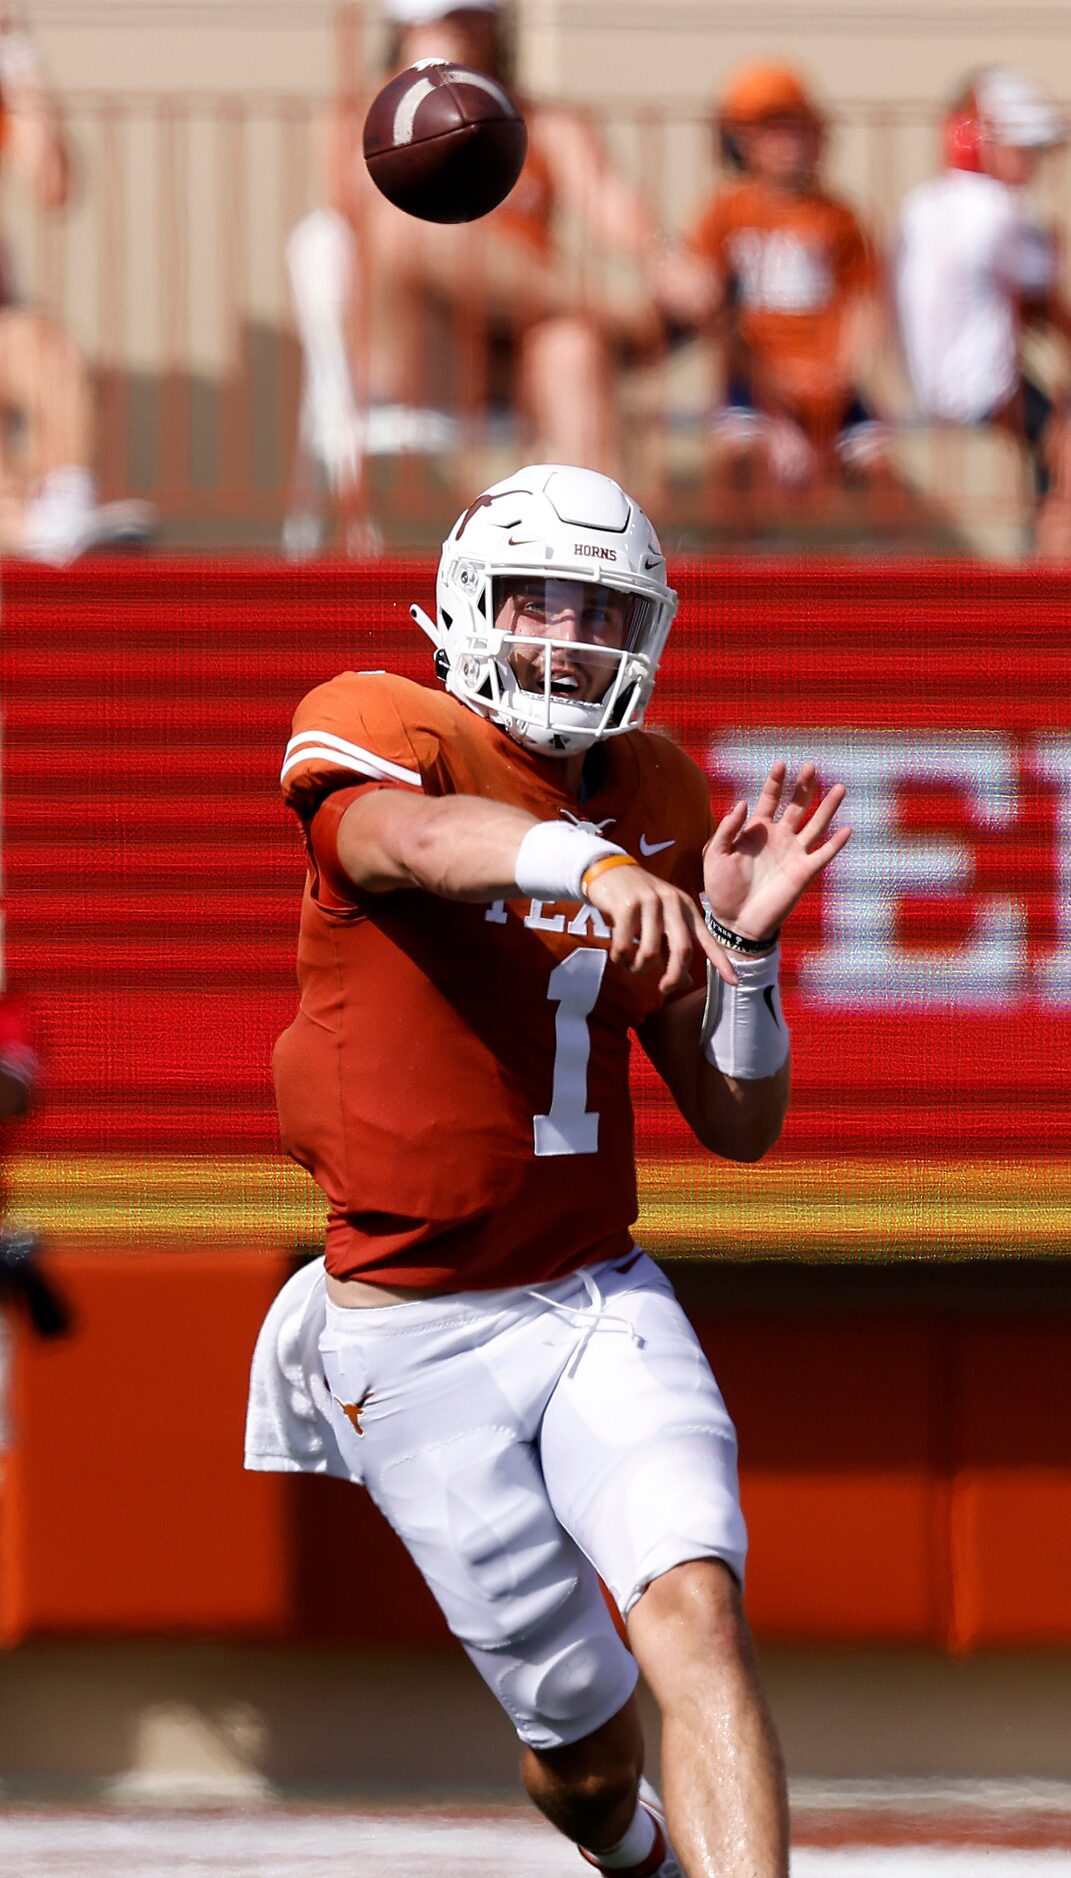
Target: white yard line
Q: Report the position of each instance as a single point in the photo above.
(420, 1845)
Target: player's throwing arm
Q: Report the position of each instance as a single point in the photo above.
(467, 849)
(756, 868)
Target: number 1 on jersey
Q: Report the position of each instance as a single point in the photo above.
(570, 1127)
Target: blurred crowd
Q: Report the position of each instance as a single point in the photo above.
(816, 347)
(775, 276)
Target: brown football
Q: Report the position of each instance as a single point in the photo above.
(444, 143)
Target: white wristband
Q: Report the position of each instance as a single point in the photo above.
(553, 858)
(744, 1032)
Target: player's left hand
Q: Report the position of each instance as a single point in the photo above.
(756, 866)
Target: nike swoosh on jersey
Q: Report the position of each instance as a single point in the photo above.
(655, 847)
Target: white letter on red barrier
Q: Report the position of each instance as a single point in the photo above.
(860, 960)
(1051, 760)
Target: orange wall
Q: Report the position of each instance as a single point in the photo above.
(906, 1478)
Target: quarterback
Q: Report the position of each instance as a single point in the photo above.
(507, 879)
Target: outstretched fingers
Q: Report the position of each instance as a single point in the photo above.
(821, 857)
(815, 830)
(770, 794)
(793, 815)
(802, 797)
(730, 826)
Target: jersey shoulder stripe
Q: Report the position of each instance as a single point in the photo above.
(357, 728)
(325, 746)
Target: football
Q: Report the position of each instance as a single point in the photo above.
(444, 143)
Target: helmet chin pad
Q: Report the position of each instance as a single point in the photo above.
(577, 541)
(543, 720)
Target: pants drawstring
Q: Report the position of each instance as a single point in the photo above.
(589, 1317)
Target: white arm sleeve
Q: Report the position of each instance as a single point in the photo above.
(744, 1033)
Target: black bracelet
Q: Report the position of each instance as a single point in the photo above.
(736, 941)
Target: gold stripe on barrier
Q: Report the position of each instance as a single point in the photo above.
(860, 1209)
(214, 1202)
(804, 1208)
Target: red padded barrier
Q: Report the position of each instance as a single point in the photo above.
(1010, 1513)
(152, 884)
(840, 1429)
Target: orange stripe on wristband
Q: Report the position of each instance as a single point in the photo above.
(599, 867)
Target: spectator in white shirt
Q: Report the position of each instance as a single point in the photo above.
(973, 267)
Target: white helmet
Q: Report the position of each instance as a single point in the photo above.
(1012, 110)
(537, 534)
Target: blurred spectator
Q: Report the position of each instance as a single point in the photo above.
(18, 1059)
(23, 1284)
(48, 500)
(493, 312)
(974, 267)
(792, 283)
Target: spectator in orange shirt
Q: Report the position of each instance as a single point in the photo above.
(794, 278)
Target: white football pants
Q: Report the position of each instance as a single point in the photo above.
(521, 1441)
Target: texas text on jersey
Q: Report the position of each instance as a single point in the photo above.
(414, 1008)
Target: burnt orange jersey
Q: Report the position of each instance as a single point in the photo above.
(456, 1078)
(793, 265)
